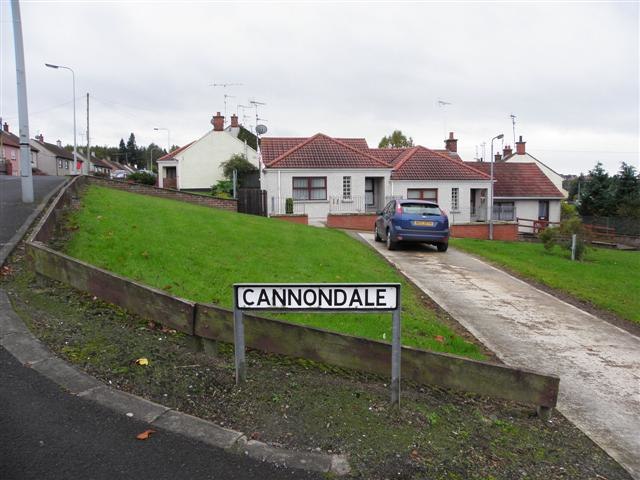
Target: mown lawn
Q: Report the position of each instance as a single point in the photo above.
(198, 253)
(609, 279)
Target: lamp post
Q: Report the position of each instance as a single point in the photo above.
(75, 143)
(157, 129)
(497, 137)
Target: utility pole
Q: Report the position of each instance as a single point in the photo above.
(26, 180)
(88, 142)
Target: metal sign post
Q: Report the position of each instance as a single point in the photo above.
(319, 297)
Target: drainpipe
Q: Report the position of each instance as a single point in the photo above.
(279, 195)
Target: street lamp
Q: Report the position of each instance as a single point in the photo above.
(157, 129)
(75, 143)
(497, 137)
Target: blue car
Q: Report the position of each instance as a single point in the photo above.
(412, 221)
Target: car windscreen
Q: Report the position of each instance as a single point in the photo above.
(420, 209)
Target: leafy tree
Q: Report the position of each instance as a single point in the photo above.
(596, 195)
(239, 163)
(396, 140)
(627, 191)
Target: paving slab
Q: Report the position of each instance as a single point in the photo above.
(125, 403)
(597, 362)
(290, 459)
(9, 321)
(68, 377)
(25, 348)
(198, 429)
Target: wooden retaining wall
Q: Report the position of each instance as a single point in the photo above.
(215, 323)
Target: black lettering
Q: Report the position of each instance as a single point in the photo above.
(244, 296)
(277, 298)
(367, 301)
(326, 297)
(339, 292)
(380, 297)
(355, 295)
(306, 298)
(263, 298)
(292, 295)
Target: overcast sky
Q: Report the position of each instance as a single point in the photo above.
(568, 71)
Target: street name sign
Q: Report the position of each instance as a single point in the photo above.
(318, 297)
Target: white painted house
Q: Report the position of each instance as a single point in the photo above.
(343, 175)
(196, 166)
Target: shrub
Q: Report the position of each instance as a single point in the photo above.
(548, 237)
(144, 178)
(289, 206)
(567, 211)
(222, 189)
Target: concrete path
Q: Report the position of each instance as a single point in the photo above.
(598, 363)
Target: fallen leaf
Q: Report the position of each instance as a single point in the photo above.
(142, 361)
(145, 435)
(439, 338)
(145, 254)
(255, 436)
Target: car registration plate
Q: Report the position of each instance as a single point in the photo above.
(420, 223)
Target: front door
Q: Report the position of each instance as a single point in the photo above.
(369, 192)
(543, 210)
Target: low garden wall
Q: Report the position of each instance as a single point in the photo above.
(205, 200)
(215, 323)
(352, 221)
(302, 219)
(501, 231)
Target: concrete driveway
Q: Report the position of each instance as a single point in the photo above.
(598, 363)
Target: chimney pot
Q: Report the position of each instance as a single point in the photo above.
(234, 121)
(6, 127)
(520, 147)
(218, 122)
(507, 151)
(451, 143)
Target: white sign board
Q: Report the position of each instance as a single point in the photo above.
(318, 297)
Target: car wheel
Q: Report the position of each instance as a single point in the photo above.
(442, 247)
(391, 245)
(376, 234)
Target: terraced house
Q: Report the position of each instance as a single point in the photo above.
(324, 175)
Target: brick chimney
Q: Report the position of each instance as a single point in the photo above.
(218, 122)
(5, 127)
(498, 157)
(40, 138)
(506, 151)
(451, 143)
(234, 121)
(520, 147)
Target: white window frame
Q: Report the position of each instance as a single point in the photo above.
(455, 199)
(346, 187)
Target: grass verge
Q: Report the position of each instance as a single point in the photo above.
(608, 279)
(198, 253)
(307, 406)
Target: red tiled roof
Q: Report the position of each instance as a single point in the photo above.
(273, 147)
(519, 180)
(388, 155)
(10, 139)
(170, 155)
(321, 151)
(420, 163)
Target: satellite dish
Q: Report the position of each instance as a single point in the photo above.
(261, 129)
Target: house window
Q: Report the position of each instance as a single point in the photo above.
(430, 194)
(543, 210)
(59, 163)
(346, 188)
(504, 211)
(309, 188)
(455, 196)
(66, 164)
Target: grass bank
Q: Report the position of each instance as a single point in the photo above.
(608, 279)
(198, 253)
(307, 406)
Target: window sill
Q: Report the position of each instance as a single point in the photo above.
(311, 201)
